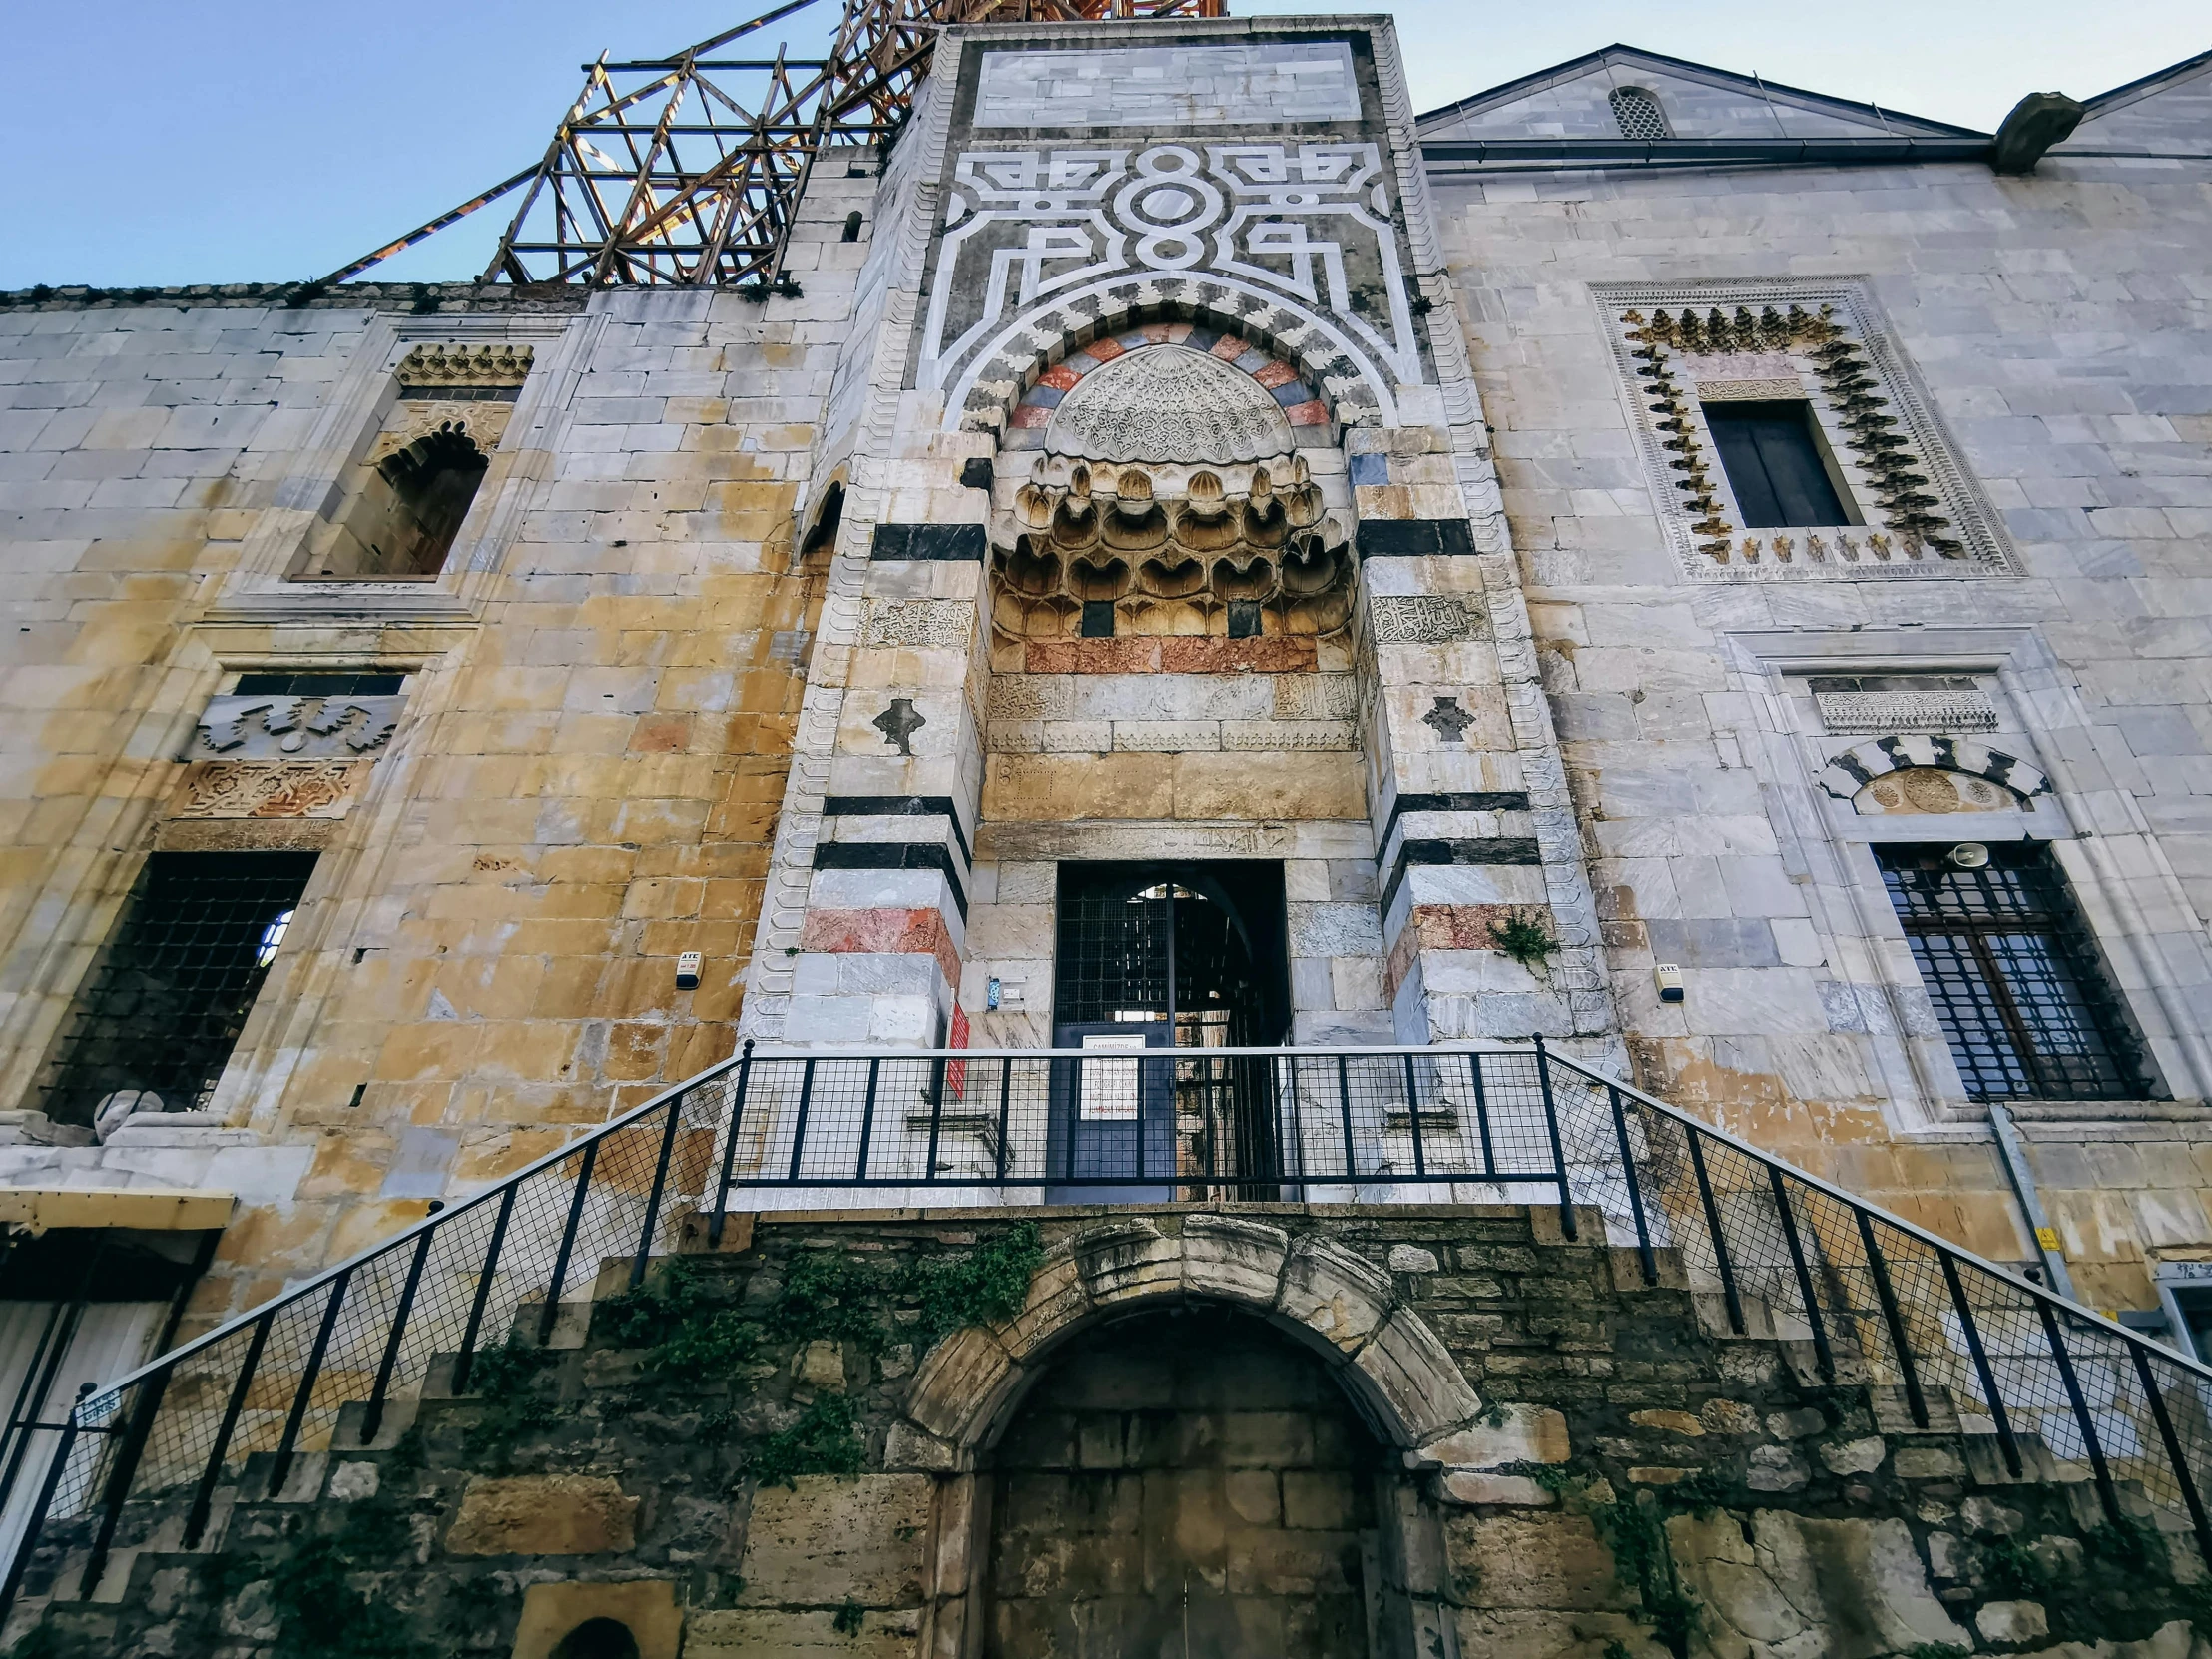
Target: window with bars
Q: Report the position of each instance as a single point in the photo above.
(1637, 113)
(169, 995)
(2009, 964)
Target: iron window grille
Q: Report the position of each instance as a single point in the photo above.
(1637, 113)
(163, 1006)
(2013, 973)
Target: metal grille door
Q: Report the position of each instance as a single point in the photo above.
(1171, 949)
(2009, 966)
(168, 997)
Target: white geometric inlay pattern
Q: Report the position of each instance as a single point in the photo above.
(1278, 222)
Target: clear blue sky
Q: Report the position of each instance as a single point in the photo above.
(259, 141)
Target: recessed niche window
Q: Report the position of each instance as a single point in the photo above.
(2009, 963)
(1637, 113)
(406, 500)
(1772, 453)
(156, 1019)
(1787, 438)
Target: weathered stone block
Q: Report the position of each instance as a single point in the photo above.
(820, 1365)
(832, 1538)
(1057, 1298)
(1855, 1456)
(2013, 1621)
(1776, 1468)
(1528, 1434)
(1927, 1463)
(750, 1633)
(954, 1390)
(1229, 1256)
(1471, 1487)
(1128, 1259)
(646, 1607)
(1550, 1561)
(1417, 1377)
(1857, 1587)
(1342, 1295)
(544, 1514)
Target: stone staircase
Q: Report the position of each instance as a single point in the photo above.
(755, 1453)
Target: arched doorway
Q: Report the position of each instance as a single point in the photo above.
(1188, 1484)
(1188, 956)
(598, 1639)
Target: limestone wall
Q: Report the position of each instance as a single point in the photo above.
(2061, 345)
(585, 779)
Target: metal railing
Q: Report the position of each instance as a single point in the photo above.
(154, 1460)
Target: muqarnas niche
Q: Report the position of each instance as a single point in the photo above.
(1172, 499)
(1232, 549)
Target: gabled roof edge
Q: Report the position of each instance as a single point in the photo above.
(2129, 91)
(1750, 84)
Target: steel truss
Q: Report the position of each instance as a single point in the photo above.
(687, 171)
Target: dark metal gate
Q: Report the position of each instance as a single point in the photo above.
(1188, 956)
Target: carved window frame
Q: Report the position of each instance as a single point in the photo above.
(1836, 349)
(261, 587)
(1827, 843)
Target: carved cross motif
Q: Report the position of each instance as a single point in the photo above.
(1449, 720)
(899, 723)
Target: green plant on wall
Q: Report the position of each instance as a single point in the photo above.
(1522, 936)
(830, 1297)
(504, 1378)
(979, 1287)
(821, 1441)
(1634, 1529)
(689, 1332)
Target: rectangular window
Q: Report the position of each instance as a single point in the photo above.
(1772, 456)
(2009, 965)
(165, 1003)
(286, 682)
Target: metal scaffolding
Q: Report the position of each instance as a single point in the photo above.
(687, 171)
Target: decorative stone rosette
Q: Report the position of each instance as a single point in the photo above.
(1172, 548)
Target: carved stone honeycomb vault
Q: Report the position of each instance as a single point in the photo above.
(1172, 548)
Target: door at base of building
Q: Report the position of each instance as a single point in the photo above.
(1181, 1484)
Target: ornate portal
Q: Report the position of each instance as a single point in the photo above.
(1173, 491)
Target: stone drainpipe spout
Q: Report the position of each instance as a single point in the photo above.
(2038, 122)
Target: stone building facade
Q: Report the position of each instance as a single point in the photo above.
(1730, 609)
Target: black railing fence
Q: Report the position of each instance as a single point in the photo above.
(154, 1460)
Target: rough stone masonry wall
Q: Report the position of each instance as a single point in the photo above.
(728, 1460)
(586, 780)
(2065, 349)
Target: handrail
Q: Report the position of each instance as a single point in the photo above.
(1785, 1253)
(428, 1224)
(1934, 1240)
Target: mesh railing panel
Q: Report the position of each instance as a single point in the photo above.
(1945, 1339)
